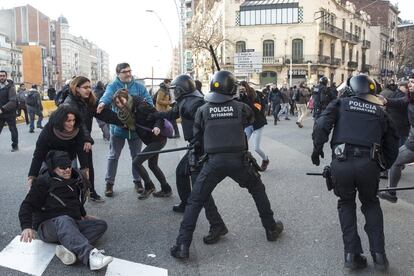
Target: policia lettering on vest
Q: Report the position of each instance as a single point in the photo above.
(219, 128)
(363, 142)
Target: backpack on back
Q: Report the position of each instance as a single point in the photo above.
(31, 99)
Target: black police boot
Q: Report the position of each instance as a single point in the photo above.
(273, 233)
(355, 261)
(215, 233)
(380, 261)
(180, 251)
(389, 196)
(179, 208)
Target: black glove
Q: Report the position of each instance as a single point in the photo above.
(315, 157)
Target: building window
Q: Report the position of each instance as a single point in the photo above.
(268, 48)
(297, 51)
(332, 51)
(240, 46)
(343, 54)
(269, 16)
(320, 47)
(350, 53)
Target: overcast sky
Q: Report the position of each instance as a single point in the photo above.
(127, 32)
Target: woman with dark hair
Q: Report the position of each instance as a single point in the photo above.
(133, 112)
(250, 97)
(82, 98)
(62, 132)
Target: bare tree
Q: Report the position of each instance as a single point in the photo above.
(405, 44)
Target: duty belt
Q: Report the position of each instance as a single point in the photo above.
(357, 151)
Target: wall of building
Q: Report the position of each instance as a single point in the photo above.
(32, 64)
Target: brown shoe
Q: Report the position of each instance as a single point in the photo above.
(264, 165)
(109, 190)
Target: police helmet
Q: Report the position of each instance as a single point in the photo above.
(364, 87)
(323, 80)
(222, 87)
(182, 85)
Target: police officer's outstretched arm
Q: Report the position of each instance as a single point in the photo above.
(390, 142)
(322, 128)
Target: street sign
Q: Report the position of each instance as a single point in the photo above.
(247, 62)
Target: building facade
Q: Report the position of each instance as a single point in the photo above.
(296, 40)
(11, 59)
(383, 33)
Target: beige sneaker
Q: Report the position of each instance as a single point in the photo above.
(67, 257)
(98, 260)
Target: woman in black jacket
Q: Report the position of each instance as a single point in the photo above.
(249, 96)
(133, 112)
(82, 98)
(62, 132)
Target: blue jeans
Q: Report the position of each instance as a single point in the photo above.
(116, 145)
(32, 113)
(405, 156)
(76, 235)
(256, 138)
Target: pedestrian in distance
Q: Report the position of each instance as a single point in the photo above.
(8, 108)
(34, 108)
(189, 99)
(63, 132)
(302, 98)
(21, 102)
(54, 207)
(134, 112)
(275, 99)
(254, 131)
(219, 132)
(82, 98)
(119, 135)
(322, 96)
(363, 142)
(163, 102)
(51, 93)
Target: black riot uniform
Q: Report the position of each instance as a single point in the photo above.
(322, 96)
(188, 101)
(218, 131)
(363, 141)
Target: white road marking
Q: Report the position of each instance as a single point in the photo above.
(120, 267)
(31, 258)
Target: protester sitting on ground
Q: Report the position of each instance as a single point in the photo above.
(62, 132)
(133, 112)
(249, 96)
(82, 98)
(54, 208)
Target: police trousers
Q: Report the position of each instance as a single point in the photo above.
(217, 167)
(358, 173)
(184, 179)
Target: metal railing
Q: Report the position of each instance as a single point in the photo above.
(366, 44)
(330, 29)
(352, 64)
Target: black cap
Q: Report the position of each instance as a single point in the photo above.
(58, 158)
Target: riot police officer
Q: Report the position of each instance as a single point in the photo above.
(363, 140)
(219, 132)
(322, 96)
(189, 99)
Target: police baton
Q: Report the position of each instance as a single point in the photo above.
(163, 151)
(395, 189)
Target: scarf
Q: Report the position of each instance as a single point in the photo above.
(64, 135)
(125, 114)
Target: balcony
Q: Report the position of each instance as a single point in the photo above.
(352, 65)
(329, 29)
(366, 44)
(273, 60)
(351, 38)
(365, 68)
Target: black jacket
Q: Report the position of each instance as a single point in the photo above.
(50, 197)
(87, 113)
(275, 96)
(400, 103)
(143, 123)
(399, 114)
(47, 141)
(8, 100)
(259, 114)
